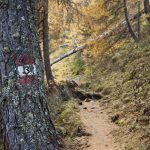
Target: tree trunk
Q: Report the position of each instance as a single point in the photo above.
(48, 70)
(25, 114)
(138, 19)
(147, 9)
(1, 131)
(128, 22)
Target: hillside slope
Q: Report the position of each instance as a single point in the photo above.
(122, 75)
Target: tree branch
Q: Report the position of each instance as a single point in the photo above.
(68, 54)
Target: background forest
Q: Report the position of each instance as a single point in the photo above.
(115, 61)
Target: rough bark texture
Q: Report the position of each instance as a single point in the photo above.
(25, 114)
(48, 70)
(1, 132)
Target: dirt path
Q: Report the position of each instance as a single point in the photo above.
(97, 123)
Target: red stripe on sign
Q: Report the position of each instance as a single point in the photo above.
(23, 59)
(24, 80)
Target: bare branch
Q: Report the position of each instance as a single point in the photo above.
(68, 54)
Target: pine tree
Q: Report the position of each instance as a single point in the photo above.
(25, 113)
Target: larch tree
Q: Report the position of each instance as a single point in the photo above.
(26, 121)
(48, 70)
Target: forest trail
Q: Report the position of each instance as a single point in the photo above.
(98, 124)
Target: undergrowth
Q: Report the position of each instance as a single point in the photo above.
(66, 118)
(77, 65)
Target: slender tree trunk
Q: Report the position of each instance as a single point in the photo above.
(48, 70)
(147, 9)
(139, 26)
(128, 22)
(25, 114)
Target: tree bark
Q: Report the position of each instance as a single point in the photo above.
(1, 131)
(128, 22)
(139, 25)
(48, 70)
(23, 103)
(147, 9)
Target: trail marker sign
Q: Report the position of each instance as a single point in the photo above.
(26, 69)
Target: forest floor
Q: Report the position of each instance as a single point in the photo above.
(98, 125)
(125, 89)
(96, 121)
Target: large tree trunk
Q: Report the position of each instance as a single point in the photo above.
(48, 70)
(25, 114)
